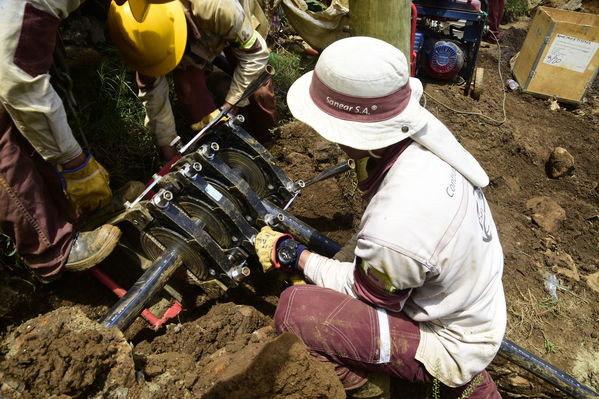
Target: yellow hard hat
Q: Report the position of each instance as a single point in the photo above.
(150, 34)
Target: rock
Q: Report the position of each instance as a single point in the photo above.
(572, 5)
(508, 182)
(546, 213)
(560, 163)
(562, 263)
(532, 4)
(586, 367)
(592, 281)
(519, 384)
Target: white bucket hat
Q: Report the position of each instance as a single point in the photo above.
(360, 95)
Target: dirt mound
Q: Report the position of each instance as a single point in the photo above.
(64, 353)
(222, 354)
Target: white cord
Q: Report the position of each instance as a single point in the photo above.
(494, 121)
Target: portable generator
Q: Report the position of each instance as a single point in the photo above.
(446, 40)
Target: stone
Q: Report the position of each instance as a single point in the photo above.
(519, 384)
(592, 281)
(560, 163)
(562, 263)
(546, 213)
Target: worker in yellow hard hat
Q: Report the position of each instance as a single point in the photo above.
(156, 37)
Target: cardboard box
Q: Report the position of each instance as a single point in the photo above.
(560, 55)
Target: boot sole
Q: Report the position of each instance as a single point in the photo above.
(111, 241)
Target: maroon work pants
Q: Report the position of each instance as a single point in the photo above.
(197, 102)
(33, 209)
(344, 331)
(495, 15)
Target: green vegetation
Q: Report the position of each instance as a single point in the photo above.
(113, 120)
(8, 254)
(514, 9)
(549, 346)
(287, 68)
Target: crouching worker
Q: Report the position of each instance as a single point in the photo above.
(421, 297)
(185, 36)
(46, 179)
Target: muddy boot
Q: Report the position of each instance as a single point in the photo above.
(127, 192)
(378, 386)
(92, 247)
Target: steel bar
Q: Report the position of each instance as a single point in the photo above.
(145, 288)
(325, 174)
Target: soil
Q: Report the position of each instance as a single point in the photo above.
(549, 226)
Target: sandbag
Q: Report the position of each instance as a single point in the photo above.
(318, 29)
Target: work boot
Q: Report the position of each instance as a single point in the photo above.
(378, 386)
(92, 247)
(127, 192)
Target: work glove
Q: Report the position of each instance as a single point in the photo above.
(86, 186)
(206, 120)
(277, 249)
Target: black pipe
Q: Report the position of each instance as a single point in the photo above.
(137, 297)
(565, 382)
(302, 232)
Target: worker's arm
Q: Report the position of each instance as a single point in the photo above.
(379, 275)
(232, 22)
(160, 121)
(28, 38)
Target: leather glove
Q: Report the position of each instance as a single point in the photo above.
(86, 186)
(205, 120)
(277, 249)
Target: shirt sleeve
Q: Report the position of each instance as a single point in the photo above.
(27, 37)
(251, 62)
(159, 120)
(399, 271)
(330, 273)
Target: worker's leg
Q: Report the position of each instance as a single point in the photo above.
(345, 331)
(192, 92)
(262, 112)
(494, 20)
(33, 210)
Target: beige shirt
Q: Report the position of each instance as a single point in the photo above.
(216, 24)
(31, 101)
(428, 230)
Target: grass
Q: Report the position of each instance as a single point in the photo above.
(9, 259)
(514, 9)
(113, 120)
(549, 346)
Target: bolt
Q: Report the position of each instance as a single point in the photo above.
(197, 166)
(214, 146)
(212, 272)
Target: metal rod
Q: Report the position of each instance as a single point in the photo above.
(325, 174)
(556, 377)
(119, 291)
(302, 232)
(151, 282)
